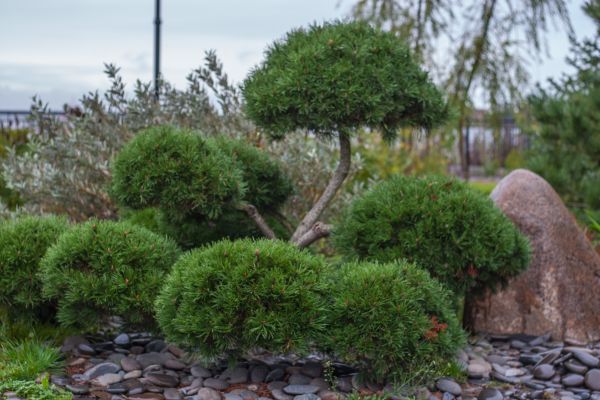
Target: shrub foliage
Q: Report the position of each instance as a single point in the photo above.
(390, 318)
(439, 223)
(340, 76)
(23, 243)
(235, 296)
(102, 268)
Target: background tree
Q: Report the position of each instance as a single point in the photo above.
(490, 43)
(332, 80)
(566, 125)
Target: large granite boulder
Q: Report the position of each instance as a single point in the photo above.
(560, 292)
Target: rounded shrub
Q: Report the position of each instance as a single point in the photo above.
(23, 243)
(393, 321)
(235, 296)
(101, 269)
(176, 170)
(267, 186)
(441, 224)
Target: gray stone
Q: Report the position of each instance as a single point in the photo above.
(130, 364)
(175, 365)
(206, 393)
(78, 389)
(231, 396)
(447, 396)
(490, 394)
(280, 395)
(70, 343)
(576, 367)
(277, 385)
(156, 346)
(101, 369)
(200, 372)
(122, 340)
(447, 385)
(309, 396)
(300, 389)
(132, 374)
(299, 379)
(312, 369)
(275, 375)
(544, 371)
(258, 373)
(107, 379)
(344, 384)
(517, 344)
(214, 383)
(479, 369)
(152, 358)
(117, 388)
(586, 358)
(238, 375)
(572, 380)
(245, 394)
(172, 394)
(320, 382)
(162, 380)
(592, 379)
(86, 349)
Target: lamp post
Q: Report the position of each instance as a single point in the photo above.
(157, 23)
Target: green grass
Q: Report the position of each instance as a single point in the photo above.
(27, 359)
(484, 187)
(34, 391)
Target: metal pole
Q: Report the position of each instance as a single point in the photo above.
(157, 23)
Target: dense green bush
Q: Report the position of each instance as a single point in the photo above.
(390, 320)
(176, 170)
(439, 223)
(102, 268)
(337, 77)
(235, 296)
(23, 243)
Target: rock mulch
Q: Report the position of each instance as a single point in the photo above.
(138, 366)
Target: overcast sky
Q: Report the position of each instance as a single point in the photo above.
(56, 48)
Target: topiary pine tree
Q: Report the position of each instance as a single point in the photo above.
(333, 79)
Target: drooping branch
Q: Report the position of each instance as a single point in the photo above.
(258, 220)
(334, 184)
(317, 231)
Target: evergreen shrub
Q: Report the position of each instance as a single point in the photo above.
(235, 296)
(176, 170)
(23, 243)
(101, 269)
(439, 223)
(391, 320)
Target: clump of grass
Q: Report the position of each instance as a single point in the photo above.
(32, 390)
(22, 360)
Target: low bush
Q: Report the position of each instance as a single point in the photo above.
(232, 297)
(390, 320)
(102, 268)
(23, 243)
(175, 170)
(439, 223)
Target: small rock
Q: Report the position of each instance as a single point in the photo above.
(70, 343)
(172, 394)
(176, 351)
(544, 371)
(280, 395)
(175, 365)
(78, 389)
(122, 340)
(231, 396)
(592, 379)
(130, 364)
(86, 349)
(107, 379)
(238, 375)
(517, 344)
(162, 380)
(156, 346)
(152, 358)
(299, 379)
(277, 385)
(206, 393)
(572, 380)
(576, 367)
(490, 394)
(200, 372)
(312, 369)
(300, 389)
(479, 369)
(132, 374)
(275, 375)
(101, 369)
(586, 358)
(258, 374)
(329, 395)
(214, 383)
(309, 396)
(344, 384)
(447, 385)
